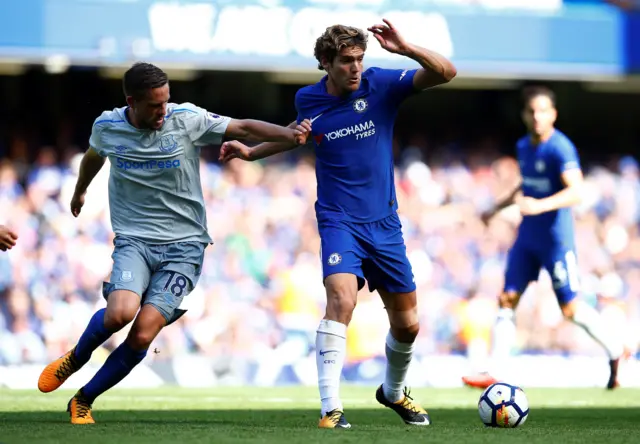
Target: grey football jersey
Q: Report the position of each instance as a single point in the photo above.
(155, 193)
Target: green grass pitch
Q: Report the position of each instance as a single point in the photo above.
(290, 414)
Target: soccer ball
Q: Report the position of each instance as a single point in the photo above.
(503, 405)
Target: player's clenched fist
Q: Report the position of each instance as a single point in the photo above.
(302, 132)
(7, 238)
(234, 150)
(77, 201)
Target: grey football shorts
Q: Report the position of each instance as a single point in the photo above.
(162, 275)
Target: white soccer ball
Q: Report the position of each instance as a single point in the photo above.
(503, 405)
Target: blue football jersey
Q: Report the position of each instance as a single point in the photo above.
(541, 168)
(353, 140)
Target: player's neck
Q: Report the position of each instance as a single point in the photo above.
(333, 90)
(538, 139)
(131, 118)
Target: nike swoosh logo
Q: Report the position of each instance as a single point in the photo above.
(314, 119)
(324, 352)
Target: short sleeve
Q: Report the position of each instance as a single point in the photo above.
(95, 140)
(396, 82)
(202, 126)
(567, 156)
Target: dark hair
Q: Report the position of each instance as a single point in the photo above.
(334, 39)
(533, 91)
(142, 77)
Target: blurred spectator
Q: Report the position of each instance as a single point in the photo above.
(261, 293)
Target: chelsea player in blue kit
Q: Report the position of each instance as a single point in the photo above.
(551, 185)
(352, 113)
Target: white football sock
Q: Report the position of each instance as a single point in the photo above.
(589, 319)
(504, 334)
(398, 360)
(331, 344)
(503, 343)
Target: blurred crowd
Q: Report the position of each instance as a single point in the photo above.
(261, 291)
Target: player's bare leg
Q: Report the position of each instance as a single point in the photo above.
(504, 337)
(331, 344)
(402, 310)
(122, 306)
(589, 319)
(130, 353)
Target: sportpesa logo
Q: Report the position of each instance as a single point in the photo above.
(147, 165)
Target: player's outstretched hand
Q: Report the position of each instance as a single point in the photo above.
(302, 131)
(529, 206)
(389, 37)
(77, 201)
(7, 238)
(234, 150)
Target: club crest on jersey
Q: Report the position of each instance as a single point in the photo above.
(540, 166)
(126, 276)
(334, 259)
(168, 144)
(360, 105)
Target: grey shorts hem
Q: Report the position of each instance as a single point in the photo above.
(170, 318)
(165, 314)
(108, 288)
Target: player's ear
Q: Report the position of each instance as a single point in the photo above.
(325, 63)
(130, 101)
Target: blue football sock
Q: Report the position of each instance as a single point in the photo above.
(94, 335)
(117, 366)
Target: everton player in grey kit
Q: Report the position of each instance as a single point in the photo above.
(353, 113)
(158, 216)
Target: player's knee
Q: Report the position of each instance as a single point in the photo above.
(148, 324)
(509, 299)
(406, 334)
(140, 339)
(340, 306)
(122, 307)
(404, 324)
(341, 300)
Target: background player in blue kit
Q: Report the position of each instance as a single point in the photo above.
(551, 184)
(353, 113)
(159, 218)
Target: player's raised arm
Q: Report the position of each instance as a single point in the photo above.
(89, 166)
(436, 69)
(237, 150)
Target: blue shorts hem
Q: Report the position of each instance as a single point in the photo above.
(359, 276)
